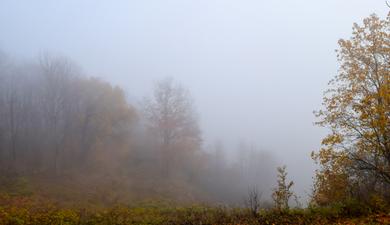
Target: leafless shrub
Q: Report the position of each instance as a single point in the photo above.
(253, 200)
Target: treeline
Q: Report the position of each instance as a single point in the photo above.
(54, 119)
(56, 122)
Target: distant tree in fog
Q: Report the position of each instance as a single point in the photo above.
(59, 76)
(171, 116)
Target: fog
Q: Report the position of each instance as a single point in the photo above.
(256, 70)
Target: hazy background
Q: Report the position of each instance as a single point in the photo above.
(257, 69)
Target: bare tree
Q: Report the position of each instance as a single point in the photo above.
(59, 74)
(13, 101)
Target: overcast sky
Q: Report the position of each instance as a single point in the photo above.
(256, 69)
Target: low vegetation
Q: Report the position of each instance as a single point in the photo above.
(28, 210)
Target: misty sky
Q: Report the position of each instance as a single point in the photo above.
(256, 69)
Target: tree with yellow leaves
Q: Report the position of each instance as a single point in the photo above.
(355, 157)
